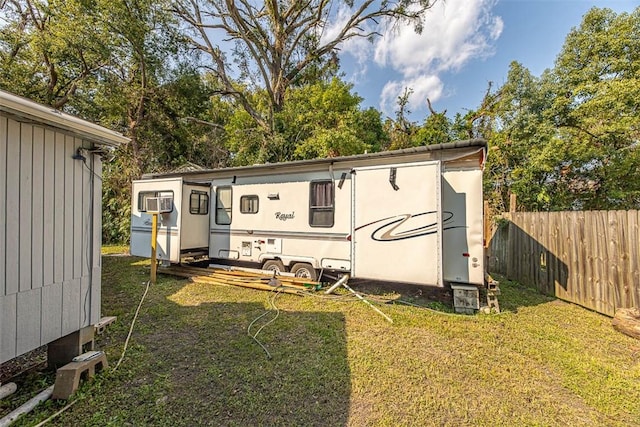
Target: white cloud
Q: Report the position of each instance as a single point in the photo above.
(455, 31)
(422, 86)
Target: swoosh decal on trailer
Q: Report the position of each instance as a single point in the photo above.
(387, 232)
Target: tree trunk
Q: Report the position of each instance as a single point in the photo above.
(627, 321)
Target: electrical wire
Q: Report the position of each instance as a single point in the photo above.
(84, 162)
(58, 413)
(272, 303)
(381, 300)
(133, 322)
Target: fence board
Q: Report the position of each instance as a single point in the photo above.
(590, 261)
(578, 259)
(590, 258)
(633, 277)
(554, 249)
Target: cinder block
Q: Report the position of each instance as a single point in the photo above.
(68, 377)
(103, 323)
(63, 350)
(466, 298)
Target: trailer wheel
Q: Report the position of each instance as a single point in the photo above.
(274, 265)
(304, 270)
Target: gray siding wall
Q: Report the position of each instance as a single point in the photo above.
(50, 236)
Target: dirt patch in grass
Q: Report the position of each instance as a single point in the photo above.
(337, 362)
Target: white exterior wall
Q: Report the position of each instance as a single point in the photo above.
(285, 219)
(169, 224)
(50, 236)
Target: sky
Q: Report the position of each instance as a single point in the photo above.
(465, 45)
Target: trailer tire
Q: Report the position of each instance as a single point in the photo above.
(305, 271)
(274, 265)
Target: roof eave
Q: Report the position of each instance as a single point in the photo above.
(30, 110)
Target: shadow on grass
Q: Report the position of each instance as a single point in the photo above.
(214, 373)
(191, 362)
(515, 295)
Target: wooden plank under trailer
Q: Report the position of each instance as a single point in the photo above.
(222, 277)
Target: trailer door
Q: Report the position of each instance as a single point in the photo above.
(396, 226)
(196, 206)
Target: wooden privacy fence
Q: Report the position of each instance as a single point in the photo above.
(589, 258)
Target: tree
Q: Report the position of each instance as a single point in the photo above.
(45, 54)
(322, 119)
(436, 129)
(520, 159)
(569, 138)
(598, 86)
(275, 43)
(401, 130)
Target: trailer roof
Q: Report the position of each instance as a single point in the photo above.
(38, 113)
(446, 151)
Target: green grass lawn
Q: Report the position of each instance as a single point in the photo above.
(190, 362)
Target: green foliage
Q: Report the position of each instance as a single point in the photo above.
(45, 55)
(326, 120)
(435, 130)
(322, 119)
(403, 133)
(569, 138)
(598, 72)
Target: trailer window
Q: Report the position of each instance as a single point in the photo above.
(321, 204)
(223, 205)
(144, 195)
(249, 204)
(199, 203)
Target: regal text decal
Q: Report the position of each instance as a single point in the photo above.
(285, 216)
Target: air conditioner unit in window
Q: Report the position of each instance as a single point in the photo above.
(159, 204)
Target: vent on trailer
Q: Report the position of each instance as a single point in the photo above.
(159, 204)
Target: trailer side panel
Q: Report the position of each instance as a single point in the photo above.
(396, 224)
(463, 259)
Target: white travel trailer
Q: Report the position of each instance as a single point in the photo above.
(412, 215)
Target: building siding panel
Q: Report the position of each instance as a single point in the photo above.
(96, 292)
(37, 224)
(85, 308)
(71, 306)
(51, 313)
(7, 327)
(26, 196)
(3, 206)
(69, 196)
(28, 317)
(50, 236)
(78, 200)
(96, 279)
(87, 246)
(12, 248)
(58, 210)
(48, 210)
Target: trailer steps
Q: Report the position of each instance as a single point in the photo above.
(492, 296)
